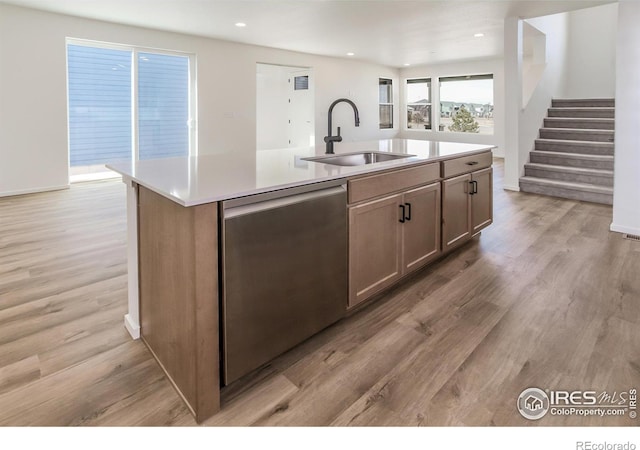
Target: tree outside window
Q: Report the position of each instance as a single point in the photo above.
(466, 104)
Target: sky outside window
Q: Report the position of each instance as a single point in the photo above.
(467, 91)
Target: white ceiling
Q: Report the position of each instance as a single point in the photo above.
(391, 32)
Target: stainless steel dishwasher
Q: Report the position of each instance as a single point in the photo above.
(284, 272)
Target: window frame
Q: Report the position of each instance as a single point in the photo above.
(386, 104)
(135, 51)
(477, 76)
(416, 80)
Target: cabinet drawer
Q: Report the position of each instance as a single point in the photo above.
(466, 164)
(386, 183)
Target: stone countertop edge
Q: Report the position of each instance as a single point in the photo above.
(326, 172)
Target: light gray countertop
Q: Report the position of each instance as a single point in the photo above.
(196, 180)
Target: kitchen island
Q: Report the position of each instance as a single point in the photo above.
(413, 209)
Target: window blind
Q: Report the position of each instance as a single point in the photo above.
(163, 105)
(99, 105)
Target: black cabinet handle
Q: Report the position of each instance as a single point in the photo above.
(401, 213)
(474, 187)
(408, 217)
(472, 163)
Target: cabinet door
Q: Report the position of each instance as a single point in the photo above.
(456, 211)
(421, 230)
(374, 240)
(482, 199)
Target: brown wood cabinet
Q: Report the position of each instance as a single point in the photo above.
(467, 206)
(390, 237)
(421, 234)
(374, 239)
(482, 200)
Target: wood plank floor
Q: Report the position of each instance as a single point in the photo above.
(546, 297)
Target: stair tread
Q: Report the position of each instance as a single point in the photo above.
(587, 187)
(588, 156)
(581, 130)
(584, 108)
(574, 142)
(588, 99)
(582, 119)
(575, 170)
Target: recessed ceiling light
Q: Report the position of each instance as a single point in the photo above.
(241, 24)
(350, 54)
(478, 35)
(407, 64)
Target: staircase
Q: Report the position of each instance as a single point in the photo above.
(573, 158)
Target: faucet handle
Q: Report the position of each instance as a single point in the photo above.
(338, 131)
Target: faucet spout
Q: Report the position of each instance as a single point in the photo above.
(330, 139)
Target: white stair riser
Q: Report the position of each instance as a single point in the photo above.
(568, 176)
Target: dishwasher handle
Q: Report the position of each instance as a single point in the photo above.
(266, 205)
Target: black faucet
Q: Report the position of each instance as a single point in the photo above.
(331, 139)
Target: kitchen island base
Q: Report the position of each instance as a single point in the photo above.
(178, 252)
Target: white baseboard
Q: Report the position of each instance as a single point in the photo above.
(624, 229)
(132, 327)
(508, 187)
(34, 191)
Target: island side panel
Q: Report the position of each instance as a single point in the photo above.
(206, 312)
(178, 258)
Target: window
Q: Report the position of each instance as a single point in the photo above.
(99, 106)
(301, 83)
(419, 104)
(163, 105)
(106, 124)
(385, 96)
(466, 104)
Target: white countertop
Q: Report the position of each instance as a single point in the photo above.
(195, 180)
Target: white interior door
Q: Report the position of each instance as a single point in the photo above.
(300, 111)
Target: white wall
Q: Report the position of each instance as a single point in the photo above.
(435, 71)
(626, 189)
(33, 120)
(33, 110)
(534, 59)
(523, 122)
(592, 56)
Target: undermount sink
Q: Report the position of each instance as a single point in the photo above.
(358, 159)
